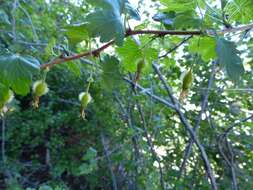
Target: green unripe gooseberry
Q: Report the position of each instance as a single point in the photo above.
(84, 98)
(140, 65)
(40, 88)
(187, 80)
(7, 97)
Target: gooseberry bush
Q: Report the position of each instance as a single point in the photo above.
(120, 94)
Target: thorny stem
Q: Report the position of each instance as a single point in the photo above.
(158, 33)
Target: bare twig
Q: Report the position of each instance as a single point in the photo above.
(189, 128)
(161, 33)
(109, 162)
(151, 146)
(149, 140)
(223, 143)
(35, 36)
(226, 132)
(177, 46)
(13, 14)
(150, 94)
(234, 180)
(95, 53)
(127, 113)
(238, 29)
(240, 90)
(229, 160)
(203, 109)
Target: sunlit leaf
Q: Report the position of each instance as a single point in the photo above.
(205, 46)
(16, 71)
(229, 59)
(107, 25)
(111, 75)
(130, 54)
(76, 33)
(240, 10)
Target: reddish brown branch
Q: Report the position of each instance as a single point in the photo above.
(163, 32)
(96, 52)
(159, 33)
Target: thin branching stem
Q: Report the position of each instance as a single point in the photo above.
(197, 124)
(188, 128)
(158, 33)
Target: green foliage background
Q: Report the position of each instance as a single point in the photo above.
(129, 140)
